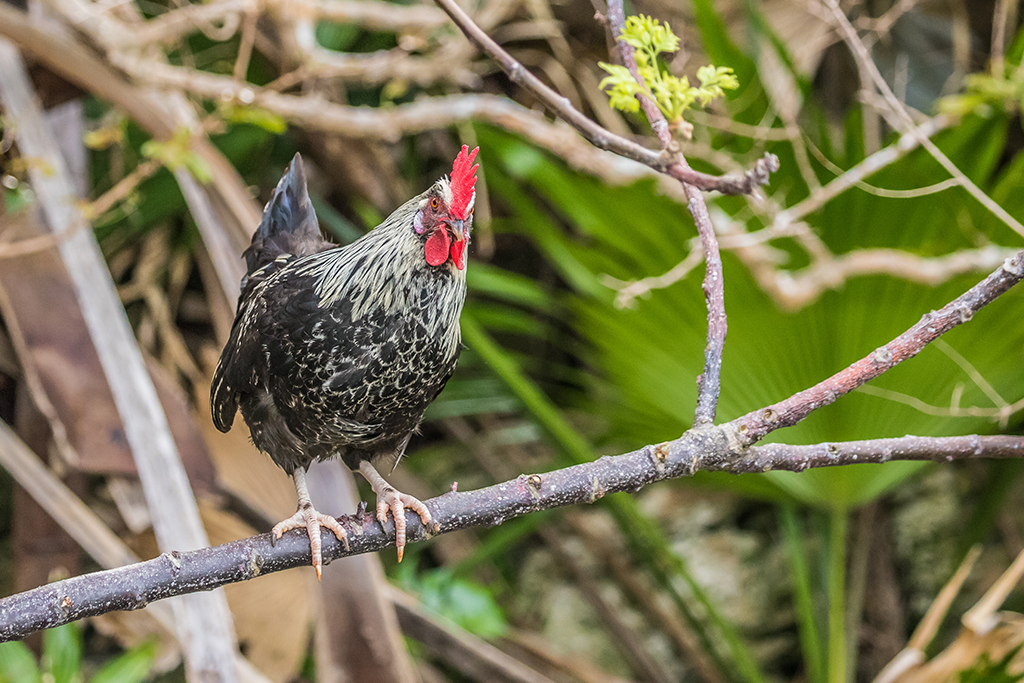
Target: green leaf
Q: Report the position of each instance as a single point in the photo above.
(464, 602)
(62, 653)
(134, 666)
(176, 153)
(256, 116)
(986, 670)
(672, 94)
(18, 664)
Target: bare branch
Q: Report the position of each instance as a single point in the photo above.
(598, 136)
(175, 573)
(382, 66)
(176, 24)
(709, 383)
(907, 124)
(946, 448)
(795, 290)
(754, 426)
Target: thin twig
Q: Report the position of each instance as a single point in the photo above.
(755, 425)
(853, 41)
(1004, 16)
(598, 136)
(794, 290)
(121, 190)
(1000, 415)
(710, 382)
(245, 44)
(629, 292)
(872, 164)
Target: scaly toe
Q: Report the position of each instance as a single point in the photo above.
(397, 502)
(309, 519)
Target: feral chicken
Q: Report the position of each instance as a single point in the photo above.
(337, 351)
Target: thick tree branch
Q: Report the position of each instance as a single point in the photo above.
(935, 448)
(709, 449)
(705, 449)
(597, 135)
(135, 586)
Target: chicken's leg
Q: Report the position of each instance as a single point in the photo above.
(389, 498)
(309, 519)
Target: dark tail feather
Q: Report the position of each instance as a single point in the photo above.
(289, 224)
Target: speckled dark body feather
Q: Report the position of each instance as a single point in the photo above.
(339, 351)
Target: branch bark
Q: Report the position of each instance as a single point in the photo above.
(179, 573)
(601, 137)
(755, 425)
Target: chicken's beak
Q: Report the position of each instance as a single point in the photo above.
(458, 229)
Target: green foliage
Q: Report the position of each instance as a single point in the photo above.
(17, 198)
(133, 666)
(18, 664)
(460, 600)
(647, 357)
(62, 654)
(986, 93)
(61, 661)
(256, 116)
(673, 95)
(985, 670)
(177, 153)
(105, 136)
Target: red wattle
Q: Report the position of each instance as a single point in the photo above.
(459, 254)
(436, 249)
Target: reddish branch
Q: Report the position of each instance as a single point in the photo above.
(754, 426)
(710, 382)
(598, 136)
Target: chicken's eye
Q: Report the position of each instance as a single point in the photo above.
(433, 203)
(470, 213)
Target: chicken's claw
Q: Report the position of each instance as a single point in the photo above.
(389, 498)
(306, 517)
(309, 519)
(396, 501)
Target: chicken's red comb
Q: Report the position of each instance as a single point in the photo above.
(463, 182)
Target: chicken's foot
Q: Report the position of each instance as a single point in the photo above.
(309, 519)
(389, 498)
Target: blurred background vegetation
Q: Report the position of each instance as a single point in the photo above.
(818, 576)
